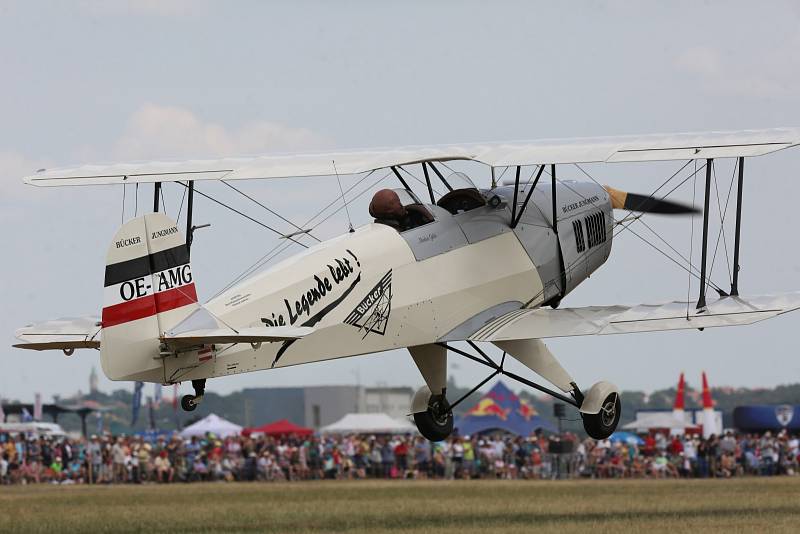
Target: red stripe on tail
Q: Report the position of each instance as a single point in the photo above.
(176, 298)
(131, 310)
(140, 308)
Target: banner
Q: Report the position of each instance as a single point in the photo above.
(137, 402)
(26, 416)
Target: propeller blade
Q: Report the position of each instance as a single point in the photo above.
(622, 200)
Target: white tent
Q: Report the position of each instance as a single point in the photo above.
(647, 420)
(213, 424)
(369, 423)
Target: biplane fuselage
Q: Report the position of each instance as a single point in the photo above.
(377, 289)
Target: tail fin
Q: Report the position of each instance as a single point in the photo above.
(149, 288)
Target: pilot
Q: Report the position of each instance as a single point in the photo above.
(387, 209)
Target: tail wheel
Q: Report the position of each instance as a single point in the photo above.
(435, 423)
(602, 424)
(187, 403)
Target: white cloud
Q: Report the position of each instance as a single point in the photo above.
(156, 131)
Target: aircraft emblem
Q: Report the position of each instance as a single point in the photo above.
(372, 313)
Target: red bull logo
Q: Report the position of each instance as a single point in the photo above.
(526, 410)
(488, 406)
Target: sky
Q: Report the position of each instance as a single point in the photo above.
(102, 81)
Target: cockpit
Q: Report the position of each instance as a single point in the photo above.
(399, 209)
(402, 210)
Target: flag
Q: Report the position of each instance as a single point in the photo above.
(2, 413)
(26, 416)
(175, 398)
(157, 395)
(37, 407)
(137, 402)
(99, 423)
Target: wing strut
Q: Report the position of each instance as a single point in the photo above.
(515, 217)
(428, 182)
(394, 170)
(701, 302)
(440, 176)
(735, 282)
(156, 195)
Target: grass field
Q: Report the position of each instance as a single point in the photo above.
(742, 505)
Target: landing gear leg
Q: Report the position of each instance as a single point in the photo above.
(190, 402)
(432, 413)
(600, 406)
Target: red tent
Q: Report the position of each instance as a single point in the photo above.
(279, 428)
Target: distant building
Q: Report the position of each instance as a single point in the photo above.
(393, 401)
(318, 406)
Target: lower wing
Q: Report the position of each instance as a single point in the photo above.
(618, 319)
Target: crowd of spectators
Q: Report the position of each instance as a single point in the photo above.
(129, 459)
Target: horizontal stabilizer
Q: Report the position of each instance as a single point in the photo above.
(618, 319)
(65, 334)
(220, 336)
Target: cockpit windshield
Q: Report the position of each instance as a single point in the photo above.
(406, 198)
(459, 180)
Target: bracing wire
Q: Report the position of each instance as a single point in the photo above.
(341, 190)
(280, 247)
(163, 204)
(722, 215)
(268, 227)
(418, 180)
(180, 208)
(267, 208)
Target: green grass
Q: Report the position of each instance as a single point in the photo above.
(742, 505)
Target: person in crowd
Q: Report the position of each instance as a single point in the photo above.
(121, 459)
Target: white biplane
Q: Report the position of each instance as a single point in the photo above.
(475, 265)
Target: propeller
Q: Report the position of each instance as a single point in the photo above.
(622, 200)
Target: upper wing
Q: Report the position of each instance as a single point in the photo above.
(581, 150)
(62, 334)
(603, 320)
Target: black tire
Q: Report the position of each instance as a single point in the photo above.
(432, 427)
(603, 423)
(187, 403)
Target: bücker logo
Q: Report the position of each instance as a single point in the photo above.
(372, 313)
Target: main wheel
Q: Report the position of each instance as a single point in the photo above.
(602, 424)
(187, 403)
(433, 424)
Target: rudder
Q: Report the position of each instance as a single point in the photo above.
(149, 288)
